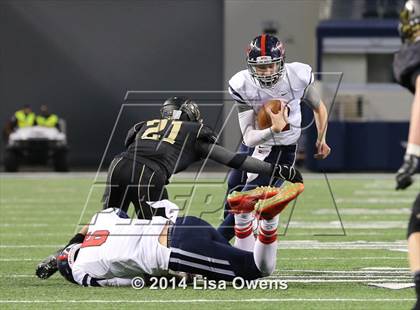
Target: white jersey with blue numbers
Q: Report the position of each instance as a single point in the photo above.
(290, 89)
(117, 249)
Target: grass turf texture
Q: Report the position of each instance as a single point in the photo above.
(39, 214)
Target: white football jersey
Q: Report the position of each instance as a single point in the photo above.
(121, 248)
(289, 89)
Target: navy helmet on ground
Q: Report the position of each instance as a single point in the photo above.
(66, 259)
(266, 52)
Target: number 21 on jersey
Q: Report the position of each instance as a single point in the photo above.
(157, 127)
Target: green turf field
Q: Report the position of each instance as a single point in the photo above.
(328, 264)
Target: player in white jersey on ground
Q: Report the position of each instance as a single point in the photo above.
(116, 248)
(268, 77)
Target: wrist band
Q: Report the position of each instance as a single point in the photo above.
(413, 149)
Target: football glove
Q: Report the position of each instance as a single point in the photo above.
(288, 173)
(404, 175)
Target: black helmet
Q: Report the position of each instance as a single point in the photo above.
(180, 108)
(409, 26)
(266, 50)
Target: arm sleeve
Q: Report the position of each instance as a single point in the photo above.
(206, 134)
(131, 134)
(84, 279)
(114, 282)
(233, 160)
(252, 137)
(311, 97)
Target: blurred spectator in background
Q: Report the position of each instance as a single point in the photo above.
(47, 119)
(22, 118)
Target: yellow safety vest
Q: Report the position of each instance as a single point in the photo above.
(24, 120)
(50, 121)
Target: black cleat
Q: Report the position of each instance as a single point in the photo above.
(47, 267)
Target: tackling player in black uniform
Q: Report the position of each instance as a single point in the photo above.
(407, 73)
(158, 148)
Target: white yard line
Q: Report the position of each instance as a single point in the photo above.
(346, 245)
(20, 259)
(382, 193)
(32, 234)
(351, 272)
(21, 246)
(175, 301)
(17, 259)
(343, 258)
(382, 225)
(363, 211)
(375, 200)
(302, 279)
(295, 245)
(347, 224)
(35, 225)
(376, 177)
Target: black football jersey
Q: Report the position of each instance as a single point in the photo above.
(169, 143)
(407, 62)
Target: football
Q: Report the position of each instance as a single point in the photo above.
(263, 119)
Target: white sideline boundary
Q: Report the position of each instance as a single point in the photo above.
(214, 300)
(17, 259)
(294, 245)
(191, 175)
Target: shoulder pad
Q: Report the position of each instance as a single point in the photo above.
(138, 125)
(131, 134)
(237, 86)
(300, 75)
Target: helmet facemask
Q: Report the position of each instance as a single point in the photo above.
(266, 71)
(181, 108)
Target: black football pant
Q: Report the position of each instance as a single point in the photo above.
(132, 182)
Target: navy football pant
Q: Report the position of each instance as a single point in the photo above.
(237, 180)
(198, 248)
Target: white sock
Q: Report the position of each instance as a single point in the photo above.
(265, 250)
(244, 235)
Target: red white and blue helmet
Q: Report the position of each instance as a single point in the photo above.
(66, 259)
(263, 50)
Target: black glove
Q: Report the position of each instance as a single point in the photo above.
(404, 174)
(288, 173)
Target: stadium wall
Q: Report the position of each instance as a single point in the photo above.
(80, 58)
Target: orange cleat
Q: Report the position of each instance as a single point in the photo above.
(244, 202)
(269, 208)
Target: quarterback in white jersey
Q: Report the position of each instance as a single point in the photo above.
(251, 98)
(268, 77)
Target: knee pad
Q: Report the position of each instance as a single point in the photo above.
(414, 224)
